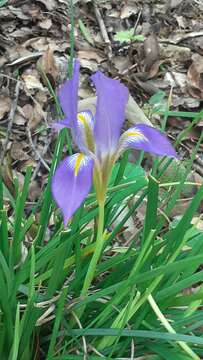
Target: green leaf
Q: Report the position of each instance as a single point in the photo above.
(85, 31)
(128, 35)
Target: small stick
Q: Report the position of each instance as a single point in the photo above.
(11, 119)
(103, 29)
(39, 163)
(36, 151)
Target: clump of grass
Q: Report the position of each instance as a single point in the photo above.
(137, 301)
(137, 306)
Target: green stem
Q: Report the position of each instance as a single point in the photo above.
(98, 249)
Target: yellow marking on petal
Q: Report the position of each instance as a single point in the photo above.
(82, 119)
(137, 134)
(89, 141)
(78, 161)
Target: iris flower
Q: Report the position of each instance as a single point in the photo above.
(99, 141)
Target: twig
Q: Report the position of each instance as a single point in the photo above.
(103, 29)
(39, 164)
(11, 119)
(36, 151)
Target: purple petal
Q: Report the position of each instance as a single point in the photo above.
(60, 124)
(71, 183)
(149, 139)
(112, 97)
(68, 96)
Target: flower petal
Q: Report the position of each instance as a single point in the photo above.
(112, 97)
(147, 138)
(58, 125)
(71, 183)
(68, 96)
(85, 138)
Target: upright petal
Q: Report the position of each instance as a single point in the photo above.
(147, 138)
(71, 183)
(85, 138)
(68, 96)
(112, 97)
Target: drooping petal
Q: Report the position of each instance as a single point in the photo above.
(71, 183)
(68, 96)
(86, 123)
(58, 125)
(147, 138)
(112, 97)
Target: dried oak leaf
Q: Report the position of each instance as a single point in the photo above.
(195, 76)
(18, 151)
(5, 104)
(45, 24)
(48, 65)
(129, 8)
(31, 79)
(34, 115)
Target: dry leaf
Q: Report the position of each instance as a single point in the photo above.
(17, 11)
(130, 8)
(90, 55)
(134, 114)
(48, 64)
(50, 4)
(172, 4)
(34, 115)
(32, 81)
(45, 24)
(17, 152)
(19, 118)
(195, 76)
(197, 222)
(5, 104)
(174, 53)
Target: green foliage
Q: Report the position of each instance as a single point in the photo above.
(128, 35)
(86, 33)
(39, 298)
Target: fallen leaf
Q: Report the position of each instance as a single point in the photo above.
(17, 11)
(32, 81)
(90, 54)
(50, 4)
(195, 76)
(36, 117)
(17, 151)
(197, 222)
(172, 4)
(48, 65)
(19, 118)
(130, 8)
(45, 24)
(175, 78)
(174, 53)
(5, 104)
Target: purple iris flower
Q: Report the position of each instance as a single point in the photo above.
(99, 140)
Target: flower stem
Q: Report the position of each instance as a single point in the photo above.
(98, 249)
